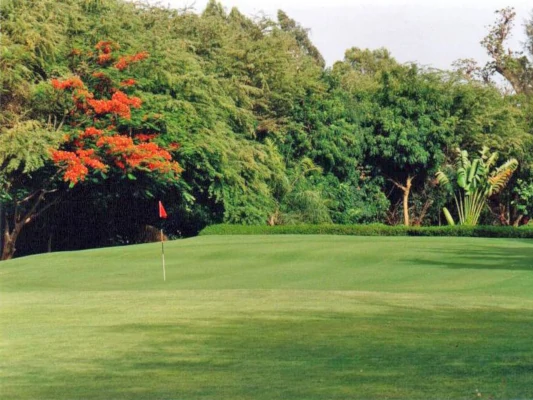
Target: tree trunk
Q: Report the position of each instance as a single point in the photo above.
(517, 221)
(406, 191)
(417, 220)
(49, 247)
(21, 219)
(8, 250)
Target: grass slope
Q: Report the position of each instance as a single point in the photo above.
(272, 317)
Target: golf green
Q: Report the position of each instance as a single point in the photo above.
(272, 317)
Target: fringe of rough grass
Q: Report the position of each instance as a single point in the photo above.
(525, 232)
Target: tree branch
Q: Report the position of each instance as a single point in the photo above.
(46, 207)
(397, 184)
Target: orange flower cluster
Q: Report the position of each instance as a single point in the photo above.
(104, 58)
(144, 155)
(80, 97)
(125, 61)
(123, 98)
(152, 150)
(143, 137)
(119, 104)
(128, 82)
(88, 157)
(76, 163)
(80, 94)
(104, 49)
(91, 131)
(59, 156)
(116, 143)
(75, 172)
(106, 46)
(74, 82)
(99, 104)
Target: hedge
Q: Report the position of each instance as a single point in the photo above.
(525, 232)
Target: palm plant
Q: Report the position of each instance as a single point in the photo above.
(477, 180)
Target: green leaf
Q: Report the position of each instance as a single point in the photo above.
(461, 177)
(473, 170)
(448, 216)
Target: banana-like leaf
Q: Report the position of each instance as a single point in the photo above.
(491, 160)
(478, 180)
(501, 176)
(442, 178)
(483, 153)
(448, 216)
(472, 172)
(461, 177)
(462, 160)
(511, 164)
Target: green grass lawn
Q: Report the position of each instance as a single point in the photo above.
(272, 317)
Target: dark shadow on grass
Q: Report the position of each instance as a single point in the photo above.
(481, 257)
(445, 354)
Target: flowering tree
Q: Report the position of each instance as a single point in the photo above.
(101, 137)
(100, 140)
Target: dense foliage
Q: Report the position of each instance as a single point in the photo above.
(267, 133)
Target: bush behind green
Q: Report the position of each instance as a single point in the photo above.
(524, 232)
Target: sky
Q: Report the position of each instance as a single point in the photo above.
(430, 32)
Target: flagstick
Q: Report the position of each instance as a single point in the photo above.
(163, 256)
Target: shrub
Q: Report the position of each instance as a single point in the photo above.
(525, 232)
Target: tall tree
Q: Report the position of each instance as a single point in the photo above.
(409, 126)
(101, 139)
(301, 35)
(515, 67)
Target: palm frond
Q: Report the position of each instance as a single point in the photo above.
(461, 177)
(473, 171)
(501, 176)
(462, 160)
(442, 178)
(491, 160)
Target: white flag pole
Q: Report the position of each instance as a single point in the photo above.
(163, 256)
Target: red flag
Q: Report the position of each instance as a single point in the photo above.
(162, 212)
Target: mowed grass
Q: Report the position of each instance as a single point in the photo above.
(272, 317)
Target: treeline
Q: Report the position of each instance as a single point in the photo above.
(268, 134)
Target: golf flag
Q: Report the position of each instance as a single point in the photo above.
(162, 212)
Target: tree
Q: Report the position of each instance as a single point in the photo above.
(24, 154)
(409, 124)
(301, 35)
(100, 139)
(249, 101)
(369, 62)
(477, 180)
(516, 67)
